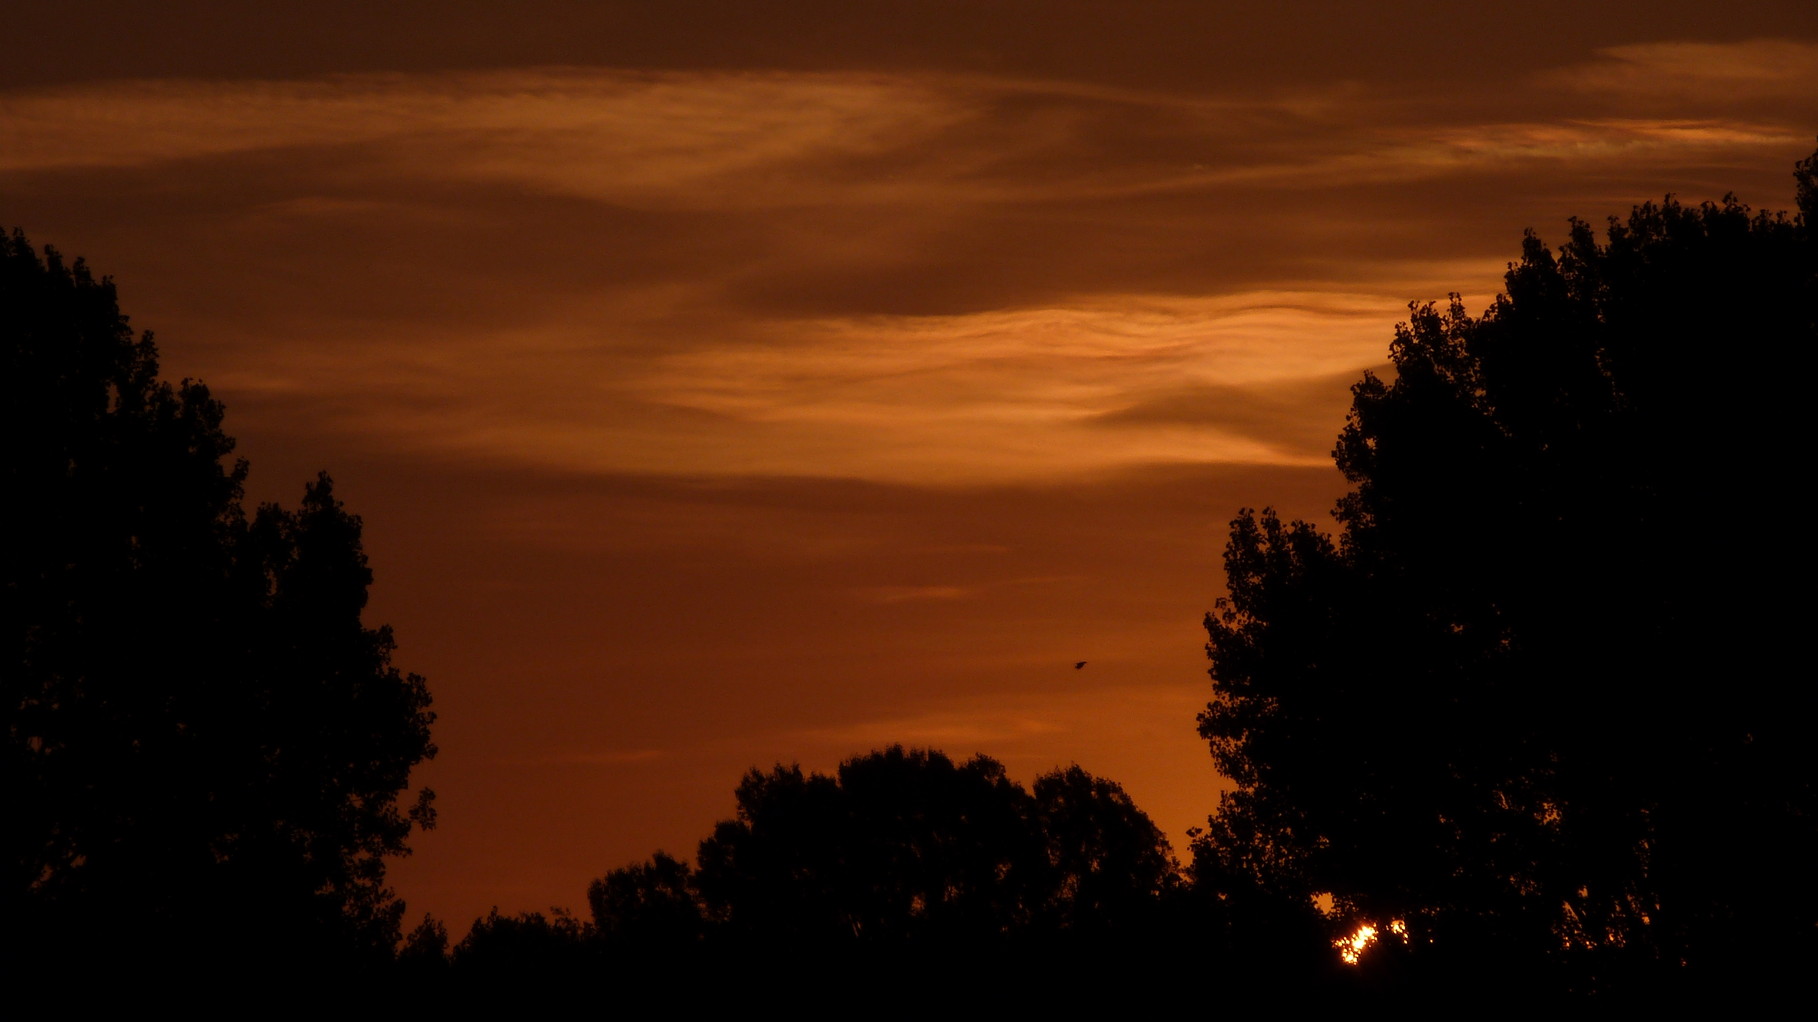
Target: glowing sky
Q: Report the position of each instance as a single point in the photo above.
(725, 383)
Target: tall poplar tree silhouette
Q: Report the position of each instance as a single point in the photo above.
(205, 746)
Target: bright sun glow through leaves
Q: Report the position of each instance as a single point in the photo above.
(1352, 946)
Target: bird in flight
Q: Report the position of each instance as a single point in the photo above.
(1079, 665)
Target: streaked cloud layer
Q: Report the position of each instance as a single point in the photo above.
(845, 199)
(714, 401)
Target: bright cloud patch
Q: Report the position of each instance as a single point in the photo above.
(1011, 394)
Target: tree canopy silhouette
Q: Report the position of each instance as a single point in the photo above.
(1537, 696)
(205, 746)
(902, 848)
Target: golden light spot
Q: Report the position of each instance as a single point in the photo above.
(1351, 948)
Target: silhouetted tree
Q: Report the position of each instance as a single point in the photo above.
(423, 957)
(1536, 698)
(903, 848)
(650, 906)
(902, 845)
(1111, 868)
(520, 951)
(205, 746)
(1251, 913)
(908, 873)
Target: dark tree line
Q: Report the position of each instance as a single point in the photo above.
(1542, 698)
(902, 856)
(906, 881)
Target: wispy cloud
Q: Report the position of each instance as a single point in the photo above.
(1701, 73)
(983, 397)
(725, 140)
(596, 132)
(673, 139)
(1298, 417)
(932, 278)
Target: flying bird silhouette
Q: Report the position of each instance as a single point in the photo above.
(1079, 665)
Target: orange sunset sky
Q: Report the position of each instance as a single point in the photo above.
(726, 383)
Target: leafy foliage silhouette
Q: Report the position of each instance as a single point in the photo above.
(649, 904)
(1534, 700)
(205, 747)
(524, 949)
(901, 848)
